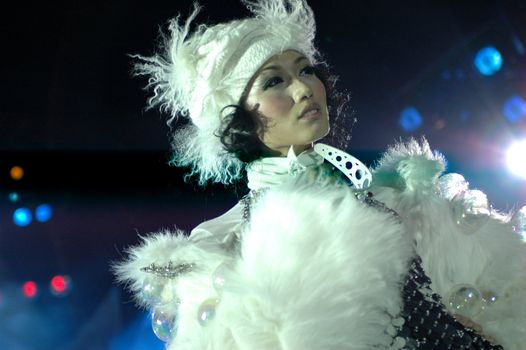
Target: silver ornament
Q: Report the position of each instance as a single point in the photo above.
(207, 311)
(451, 185)
(164, 326)
(168, 271)
(465, 300)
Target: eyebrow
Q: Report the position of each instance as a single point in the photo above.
(296, 61)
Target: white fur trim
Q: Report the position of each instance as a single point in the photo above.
(411, 164)
(161, 248)
(493, 258)
(320, 270)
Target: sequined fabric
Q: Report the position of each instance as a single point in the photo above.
(426, 323)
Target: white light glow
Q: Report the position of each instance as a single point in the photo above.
(516, 158)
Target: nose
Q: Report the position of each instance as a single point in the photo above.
(300, 90)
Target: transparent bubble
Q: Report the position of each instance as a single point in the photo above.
(207, 311)
(151, 290)
(489, 299)
(452, 184)
(158, 291)
(465, 300)
(220, 277)
(471, 210)
(164, 326)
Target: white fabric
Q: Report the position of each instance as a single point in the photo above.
(272, 171)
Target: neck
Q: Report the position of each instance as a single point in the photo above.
(271, 171)
(284, 151)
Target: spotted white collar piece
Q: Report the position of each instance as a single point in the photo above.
(358, 174)
(271, 171)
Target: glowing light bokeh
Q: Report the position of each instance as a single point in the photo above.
(30, 289)
(515, 158)
(22, 217)
(410, 119)
(16, 173)
(43, 212)
(60, 285)
(13, 197)
(488, 60)
(519, 46)
(514, 109)
(446, 74)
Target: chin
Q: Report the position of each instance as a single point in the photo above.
(324, 131)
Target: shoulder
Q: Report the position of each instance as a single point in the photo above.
(410, 165)
(220, 227)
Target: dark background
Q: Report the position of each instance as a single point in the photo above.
(74, 119)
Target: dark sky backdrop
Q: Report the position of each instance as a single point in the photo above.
(67, 85)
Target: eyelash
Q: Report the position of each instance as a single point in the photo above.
(309, 70)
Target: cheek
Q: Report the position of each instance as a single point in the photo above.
(318, 90)
(275, 107)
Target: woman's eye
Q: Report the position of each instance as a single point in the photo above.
(272, 82)
(308, 70)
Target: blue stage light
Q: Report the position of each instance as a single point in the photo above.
(519, 46)
(410, 119)
(13, 197)
(137, 336)
(22, 217)
(514, 109)
(488, 60)
(43, 212)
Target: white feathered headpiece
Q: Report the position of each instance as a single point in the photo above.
(202, 72)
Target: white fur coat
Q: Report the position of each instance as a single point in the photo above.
(317, 269)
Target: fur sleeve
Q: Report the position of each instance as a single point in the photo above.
(483, 252)
(161, 249)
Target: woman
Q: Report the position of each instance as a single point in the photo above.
(316, 256)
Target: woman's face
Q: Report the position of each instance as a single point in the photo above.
(290, 99)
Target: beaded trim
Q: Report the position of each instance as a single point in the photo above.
(248, 200)
(168, 271)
